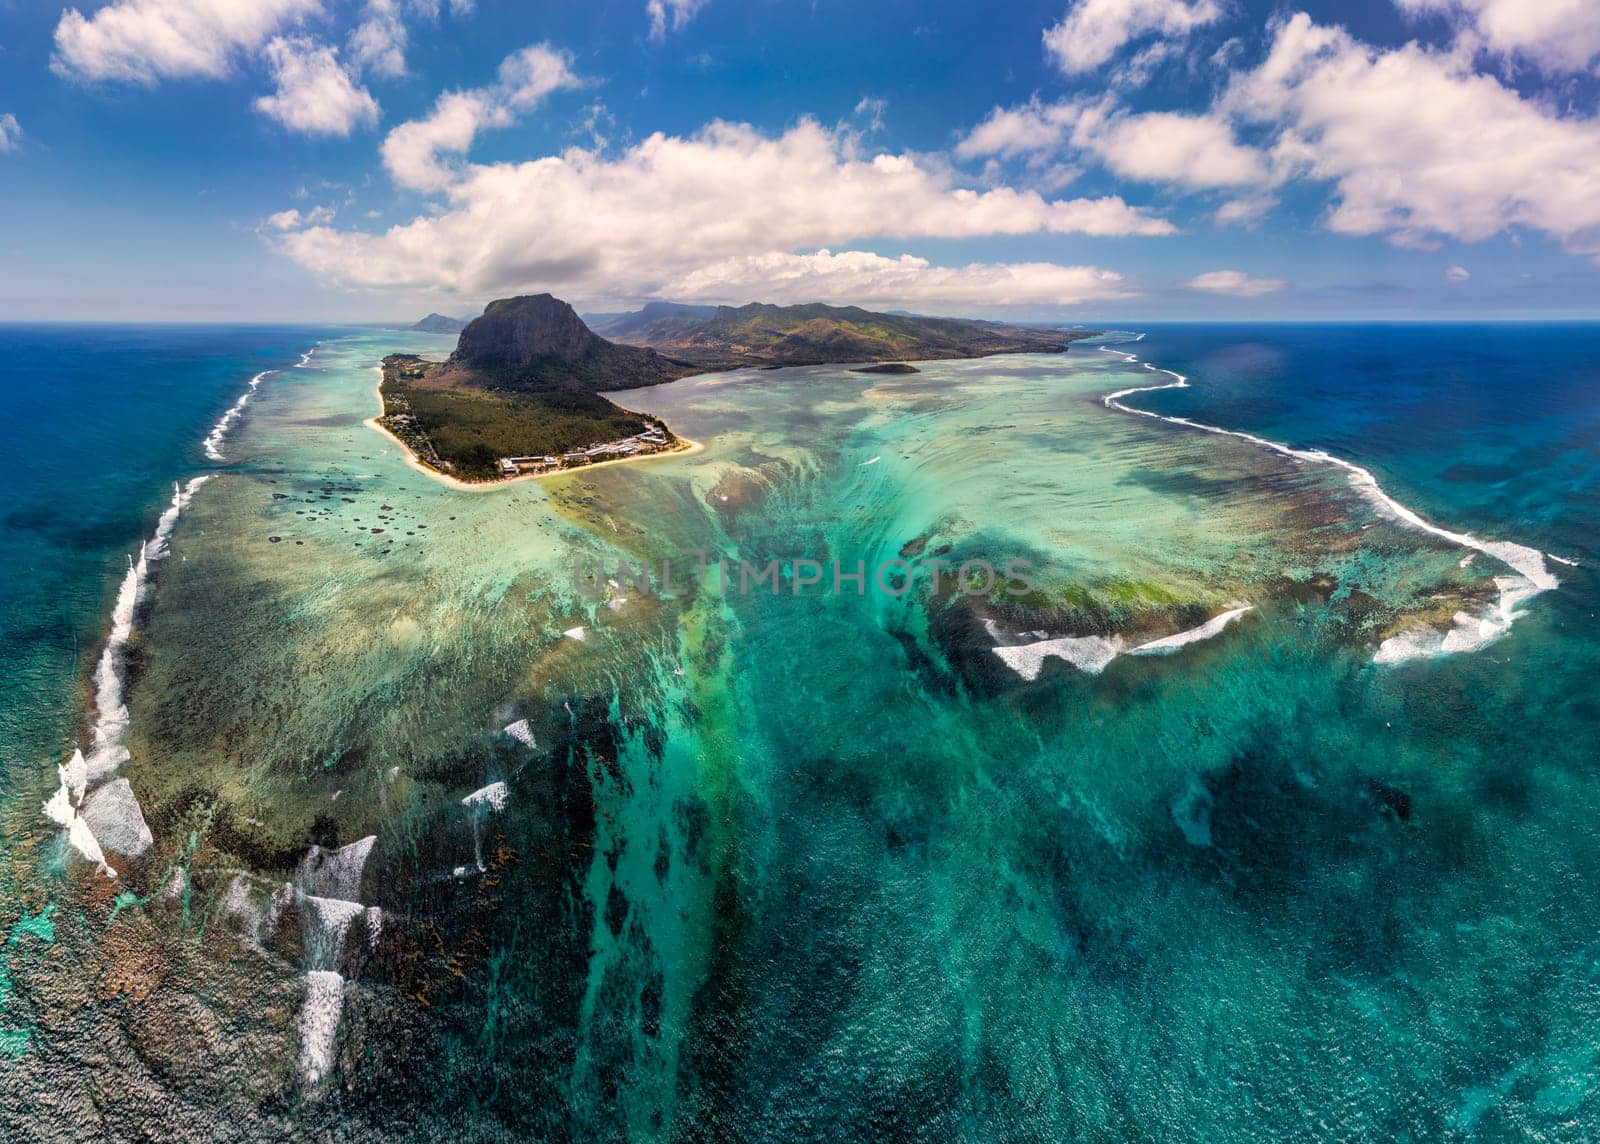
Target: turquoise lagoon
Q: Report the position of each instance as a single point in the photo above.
(442, 847)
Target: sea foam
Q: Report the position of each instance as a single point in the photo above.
(219, 432)
(335, 873)
(110, 717)
(522, 732)
(329, 885)
(120, 811)
(1469, 633)
(113, 816)
(326, 922)
(1092, 654)
(256, 905)
(319, 1023)
(1212, 627)
(494, 797)
(1086, 653)
(62, 809)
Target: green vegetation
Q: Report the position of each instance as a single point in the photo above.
(817, 334)
(1103, 606)
(527, 375)
(467, 430)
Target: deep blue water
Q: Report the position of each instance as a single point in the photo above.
(940, 916)
(96, 423)
(1492, 427)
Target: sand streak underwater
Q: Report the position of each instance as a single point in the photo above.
(1176, 843)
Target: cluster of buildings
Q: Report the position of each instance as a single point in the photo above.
(653, 439)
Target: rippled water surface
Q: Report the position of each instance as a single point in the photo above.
(444, 847)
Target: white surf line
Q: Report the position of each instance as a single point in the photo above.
(1470, 632)
(1212, 627)
(1092, 654)
(1089, 654)
(219, 431)
(77, 804)
(73, 805)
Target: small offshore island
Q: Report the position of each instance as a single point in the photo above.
(522, 395)
(887, 367)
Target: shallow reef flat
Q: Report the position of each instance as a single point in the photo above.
(446, 847)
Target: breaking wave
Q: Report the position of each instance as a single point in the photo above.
(1092, 654)
(70, 806)
(78, 802)
(1469, 632)
(219, 431)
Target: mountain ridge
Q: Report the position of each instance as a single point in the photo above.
(817, 333)
(528, 375)
(437, 323)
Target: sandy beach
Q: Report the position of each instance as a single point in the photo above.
(688, 450)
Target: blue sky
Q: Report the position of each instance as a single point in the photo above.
(1079, 159)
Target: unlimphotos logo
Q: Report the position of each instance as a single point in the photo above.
(796, 575)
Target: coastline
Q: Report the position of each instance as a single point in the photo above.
(91, 795)
(690, 449)
(1530, 576)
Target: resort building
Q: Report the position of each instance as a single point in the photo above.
(649, 441)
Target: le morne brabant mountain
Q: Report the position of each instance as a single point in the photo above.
(526, 378)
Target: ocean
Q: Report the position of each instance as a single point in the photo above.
(98, 422)
(1264, 808)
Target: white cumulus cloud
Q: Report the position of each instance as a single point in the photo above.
(1093, 31)
(1172, 147)
(1032, 128)
(1156, 146)
(10, 133)
(431, 8)
(315, 95)
(528, 76)
(413, 151)
(1416, 144)
(379, 40)
(378, 43)
(690, 213)
(1236, 283)
(1245, 211)
(863, 278)
(145, 40)
(1556, 35)
(292, 218)
(1457, 273)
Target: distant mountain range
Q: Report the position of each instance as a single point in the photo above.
(440, 324)
(527, 375)
(726, 337)
(657, 321)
